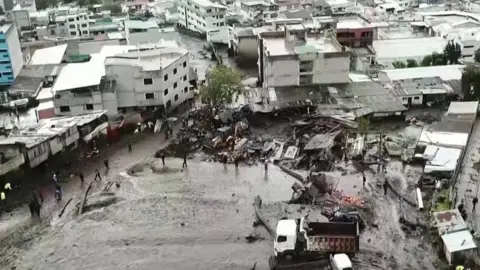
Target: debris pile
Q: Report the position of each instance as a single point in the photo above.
(425, 118)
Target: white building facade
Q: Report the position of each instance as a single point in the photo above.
(152, 78)
(201, 15)
(297, 60)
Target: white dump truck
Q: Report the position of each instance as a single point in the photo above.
(300, 244)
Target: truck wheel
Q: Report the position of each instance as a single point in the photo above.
(289, 257)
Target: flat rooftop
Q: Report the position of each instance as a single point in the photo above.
(278, 46)
(449, 72)
(351, 23)
(48, 56)
(408, 47)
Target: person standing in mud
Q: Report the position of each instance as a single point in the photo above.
(474, 202)
(385, 187)
(162, 156)
(129, 147)
(97, 175)
(80, 175)
(364, 179)
(236, 162)
(184, 165)
(266, 165)
(105, 162)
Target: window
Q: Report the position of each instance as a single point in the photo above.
(185, 89)
(169, 104)
(221, 16)
(174, 85)
(175, 71)
(165, 92)
(71, 26)
(89, 107)
(165, 78)
(367, 34)
(185, 64)
(467, 55)
(468, 47)
(281, 239)
(185, 78)
(221, 24)
(176, 97)
(85, 32)
(73, 33)
(84, 25)
(147, 81)
(71, 19)
(149, 96)
(2, 40)
(4, 62)
(306, 66)
(64, 108)
(209, 10)
(305, 79)
(416, 98)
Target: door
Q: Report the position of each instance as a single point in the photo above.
(409, 102)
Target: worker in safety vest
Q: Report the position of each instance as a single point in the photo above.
(460, 267)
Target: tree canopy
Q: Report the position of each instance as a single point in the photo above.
(222, 85)
(399, 64)
(477, 56)
(471, 83)
(114, 8)
(453, 52)
(411, 63)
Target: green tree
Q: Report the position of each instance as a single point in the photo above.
(43, 4)
(399, 64)
(411, 63)
(363, 127)
(439, 59)
(114, 8)
(477, 56)
(453, 52)
(353, 61)
(427, 61)
(87, 3)
(222, 85)
(147, 14)
(471, 83)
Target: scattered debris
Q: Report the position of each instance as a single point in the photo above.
(253, 237)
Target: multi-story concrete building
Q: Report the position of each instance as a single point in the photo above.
(155, 78)
(355, 32)
(295, 57)
(201, 15)
(78, 25)
(11, 57)
(258, 11)
(122, 77)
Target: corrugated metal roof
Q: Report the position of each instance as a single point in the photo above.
(458, 241)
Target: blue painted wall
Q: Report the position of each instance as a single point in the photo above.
(6, 71)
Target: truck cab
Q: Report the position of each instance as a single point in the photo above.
(285, 239)
(340, 262)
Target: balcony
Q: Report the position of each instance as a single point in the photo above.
(12, 164)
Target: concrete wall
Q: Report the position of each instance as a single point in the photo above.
(285, 72)
(15, 51)
(71, 136)
(416, 100)
(131, 90)
(12, 164)
(77, 104)
(38, 154)
(56, 144)
(21, 18)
